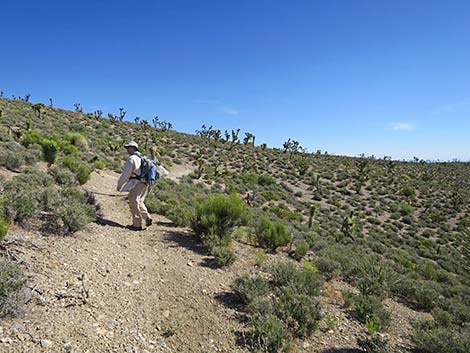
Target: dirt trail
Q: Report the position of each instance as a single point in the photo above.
(107, 289)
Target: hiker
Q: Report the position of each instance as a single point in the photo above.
(130, 182)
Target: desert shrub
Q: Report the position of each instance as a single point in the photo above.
(442, 317)
(249, 178)
(223, 255)
(12, 160)
(431, 338)
(12, 282)
(301, 249)
(31, 137)
(99, 164)
(50, 150)
(272, 235)
(304, 281)
(270, 195)
(285, 214)
(404, 209)
(374, 344)
(20, 202)
(175, 201)
(266, 180)
(329, 267)
(3, 228)
(300, 313)
(82, 172)
(270, 334)
(260, 258)
(370, 307)
(248, 288)
(76, 139)
(375, 277)
(71, 211)
(217, 215)
(63, 176)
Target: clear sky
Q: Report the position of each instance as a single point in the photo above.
(377, 77)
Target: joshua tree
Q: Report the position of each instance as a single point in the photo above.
(227, 136)
(136, 119)
(200, 165)
(26, 97)
(50, 103)
(1, 94)
(312, 212)
(349, 226)
(235, 140)
(155, 121)
(37, 109)
(98, 113)
(122, 114)
(264, 146)
(249, 137)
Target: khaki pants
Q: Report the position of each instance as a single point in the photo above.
(136, 202)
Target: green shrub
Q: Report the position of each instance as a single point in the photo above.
(430, 338)
(370, 307)
(442, 317)
(12, 282)
(266, 180)
(270, 334)
(301, 249)
(223, 255)
(248, 288)
(31, 137)
(99, 164)
(271, 235)
(285, 214)
(217, 215)
(304, 281)
(300, 313)
(81, 171)
(260, 258)
(50, 150)
(71, 211)
(83, 174)
(375, 277)
(63, 176)
(77, 140)
(3, 228)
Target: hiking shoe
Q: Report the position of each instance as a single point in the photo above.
(148, 222)
(134, 228)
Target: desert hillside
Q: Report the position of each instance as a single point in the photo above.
(253, 249)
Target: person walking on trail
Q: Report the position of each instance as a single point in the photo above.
(129, 181)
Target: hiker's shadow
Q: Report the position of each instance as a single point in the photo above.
(106, 222)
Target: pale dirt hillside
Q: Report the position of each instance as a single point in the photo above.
(107, 289)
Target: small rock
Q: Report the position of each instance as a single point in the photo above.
(68, 347)
(305, 345)
(45, 343)
(166, 314)
(190, 264)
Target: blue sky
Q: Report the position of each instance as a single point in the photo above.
(344, 76)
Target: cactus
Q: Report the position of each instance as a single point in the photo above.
(122, 114)
(37, 109)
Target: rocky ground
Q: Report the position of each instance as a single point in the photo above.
(108, 289)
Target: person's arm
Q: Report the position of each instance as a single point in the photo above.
(126, 173)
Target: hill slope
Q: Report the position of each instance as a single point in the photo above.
(396, 231)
